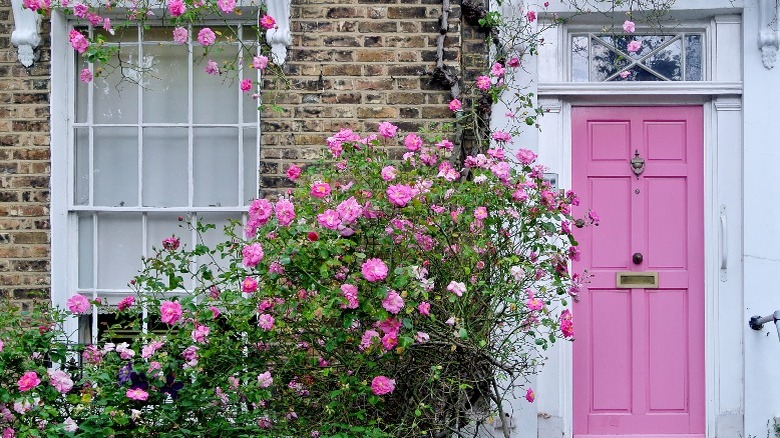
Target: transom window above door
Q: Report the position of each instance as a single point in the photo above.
(606, 58)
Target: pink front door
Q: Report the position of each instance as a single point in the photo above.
(639, 352)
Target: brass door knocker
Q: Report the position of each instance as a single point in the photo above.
(637, 164)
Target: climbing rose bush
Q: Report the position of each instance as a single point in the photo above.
(381, 297)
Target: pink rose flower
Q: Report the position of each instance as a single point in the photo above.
(78, 303)
(412, 142)
(388, 173)
(424, 308)
(267, 22)
(497, 70)
(567, 325)
(531, 16)
(126, 303)
(501, 136)
(226, 6)
(624, 74)
(249, 285)
(176, 8)
(483, 83)
(393, 302)
(514, 62)
(480, 213)
(374, 270)
(629, 26)
(293, 172)
(60, 380)
(260, 62)
(399, 194)
(530, 396)
(170, 312)
(634, 46)
(28, 381)
(78, 41)
(206, 37)
(457, 287)
(265, 321)
(200, 334)
(265, 380)
(181, 35)
(80, 10)
(246, 85)
(525, 156)
(350, 292)
(285, 212)
(387, 130)
(329, 219)
(320, 190)
(455, 105)
(349, 210)
(171, 243)
(382, 385)
(252, 254)
(86, 76)
(211, 68)
(137, 394)
(533, 303)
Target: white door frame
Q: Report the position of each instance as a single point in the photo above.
(721, 98)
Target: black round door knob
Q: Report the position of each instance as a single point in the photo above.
(637, 258)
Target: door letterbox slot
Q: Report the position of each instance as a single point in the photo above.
(637, 280)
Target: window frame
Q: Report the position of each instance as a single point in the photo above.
(64, 209)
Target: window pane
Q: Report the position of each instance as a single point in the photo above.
(693, 57)
(217, 235)
(668, 61)
(82, 90)
(605, 62)
(163, 225)
(116, 167)
(216, 167)
(579, 59)
(165, 165)
(119, 249)
(215, 97)
(115, 93)
(86, 241)
(250, 165)
(165, 95)
(81, 163)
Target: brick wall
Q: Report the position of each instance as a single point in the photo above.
(355, 63)
(24, 168)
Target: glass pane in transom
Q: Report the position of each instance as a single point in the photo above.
(667, 61)
(605, 62)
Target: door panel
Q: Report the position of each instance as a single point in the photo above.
(639, 353)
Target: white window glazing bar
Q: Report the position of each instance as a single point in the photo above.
(144, 245)
(190, 120)
(95, 267)
(241, 180)
(140, 109)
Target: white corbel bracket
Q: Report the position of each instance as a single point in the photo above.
(280, 37)
(768, 36)
(26, 35)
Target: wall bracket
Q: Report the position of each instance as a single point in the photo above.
(26, 35)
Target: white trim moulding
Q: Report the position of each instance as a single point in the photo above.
(639, 88)
(26, 34)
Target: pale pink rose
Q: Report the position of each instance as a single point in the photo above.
(200, 334)
(265, 380)
(176, 8)
(374, 270)
(80, 10)
(285, 212)
(60, 380)
(393, 302)
(625, 74)
(483, 83)
(329, 219)
(268, 22)
(422, 337)
(70, 425)
(381, 385)
(349, 210)
(388, 173)
(525, 156)
(424, 308)
(629, 26)
(455, 105)
(252, 254)
(480, 213)
(533, 303)
(206, 37)
(226, 6)
(350, 292)
(265, 321)
(9, 433)
(181, 35)
(368, 338)
(78, 303)
(567, 325)
(320, 189)
(260, 62)
(249, 285)
(399, 194)
(28, 381)
(260, 210)
(530, 395)
(634, 46)
(246, 85)
(457, 287)
(211, 68)
(387, 129)
(137, 394)
(2, 344)
(412, 142)
(501, 136)
(170, 312)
